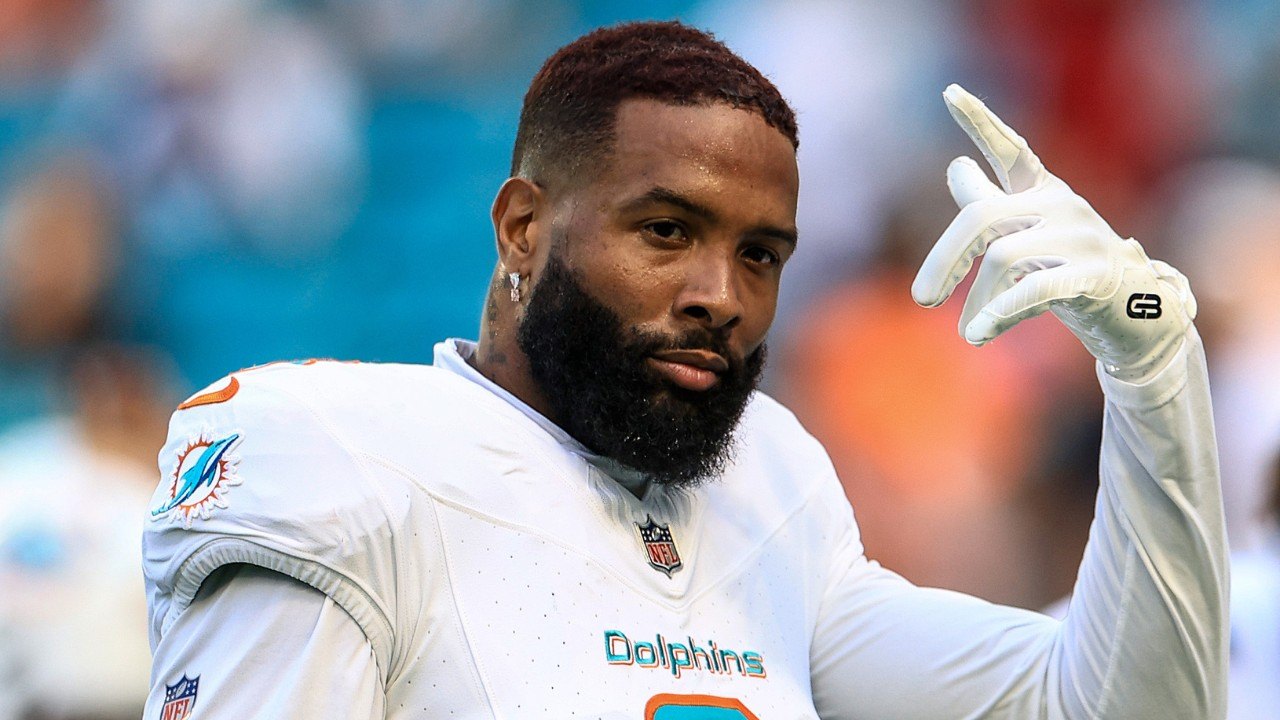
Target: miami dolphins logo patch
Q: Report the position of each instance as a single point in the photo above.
(201, 478)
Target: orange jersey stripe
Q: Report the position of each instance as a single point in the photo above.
(212, 398)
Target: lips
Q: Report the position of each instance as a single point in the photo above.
(697, 370)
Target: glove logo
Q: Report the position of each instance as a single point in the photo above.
(1143, 306)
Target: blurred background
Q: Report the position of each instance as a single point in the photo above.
(189, 187)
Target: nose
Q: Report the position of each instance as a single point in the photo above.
(710, 295)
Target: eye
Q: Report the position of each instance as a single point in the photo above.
(667, 231)
(762, 255)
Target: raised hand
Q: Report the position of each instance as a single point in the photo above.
(1047, 249)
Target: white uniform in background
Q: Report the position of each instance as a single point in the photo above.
(73, 635)
(1255, 632)
(414, 542)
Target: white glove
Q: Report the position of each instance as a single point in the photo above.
(1047, 249)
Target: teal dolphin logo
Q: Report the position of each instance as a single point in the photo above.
(197, 479)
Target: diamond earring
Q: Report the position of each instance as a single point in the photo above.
(515, 286)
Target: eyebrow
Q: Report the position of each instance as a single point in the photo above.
(667, 196)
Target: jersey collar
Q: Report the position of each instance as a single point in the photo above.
(453, 355)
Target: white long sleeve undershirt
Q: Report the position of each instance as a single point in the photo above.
(1145, 635)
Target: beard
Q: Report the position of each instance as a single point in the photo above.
(593, 372)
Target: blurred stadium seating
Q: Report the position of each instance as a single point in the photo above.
(188, 187)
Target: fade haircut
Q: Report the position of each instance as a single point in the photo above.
(568, 117)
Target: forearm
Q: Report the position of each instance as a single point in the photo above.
(1146, 634)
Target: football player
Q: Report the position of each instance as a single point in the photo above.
(591, 512)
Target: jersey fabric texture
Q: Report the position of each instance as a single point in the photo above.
(496, 569)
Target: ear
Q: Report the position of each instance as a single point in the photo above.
(517, 212)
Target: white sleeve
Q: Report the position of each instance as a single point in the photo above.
(263, 645)
(1146, 633)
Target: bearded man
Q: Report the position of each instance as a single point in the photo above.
(592, 513)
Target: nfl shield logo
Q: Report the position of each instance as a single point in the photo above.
(179, 699)
(659, 546)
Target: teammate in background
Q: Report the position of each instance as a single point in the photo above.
(592, 513)
(1255, 618)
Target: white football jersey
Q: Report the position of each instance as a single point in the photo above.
(497, 569)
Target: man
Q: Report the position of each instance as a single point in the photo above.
(590, 513)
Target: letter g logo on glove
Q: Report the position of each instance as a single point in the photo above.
(1143, 306)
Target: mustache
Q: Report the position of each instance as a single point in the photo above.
(699, 339)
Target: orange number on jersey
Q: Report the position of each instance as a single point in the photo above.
(668, 706)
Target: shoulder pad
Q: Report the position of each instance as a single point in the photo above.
(252, 473)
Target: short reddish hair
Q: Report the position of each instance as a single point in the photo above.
(570, 108)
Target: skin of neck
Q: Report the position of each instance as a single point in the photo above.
(498, 356)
